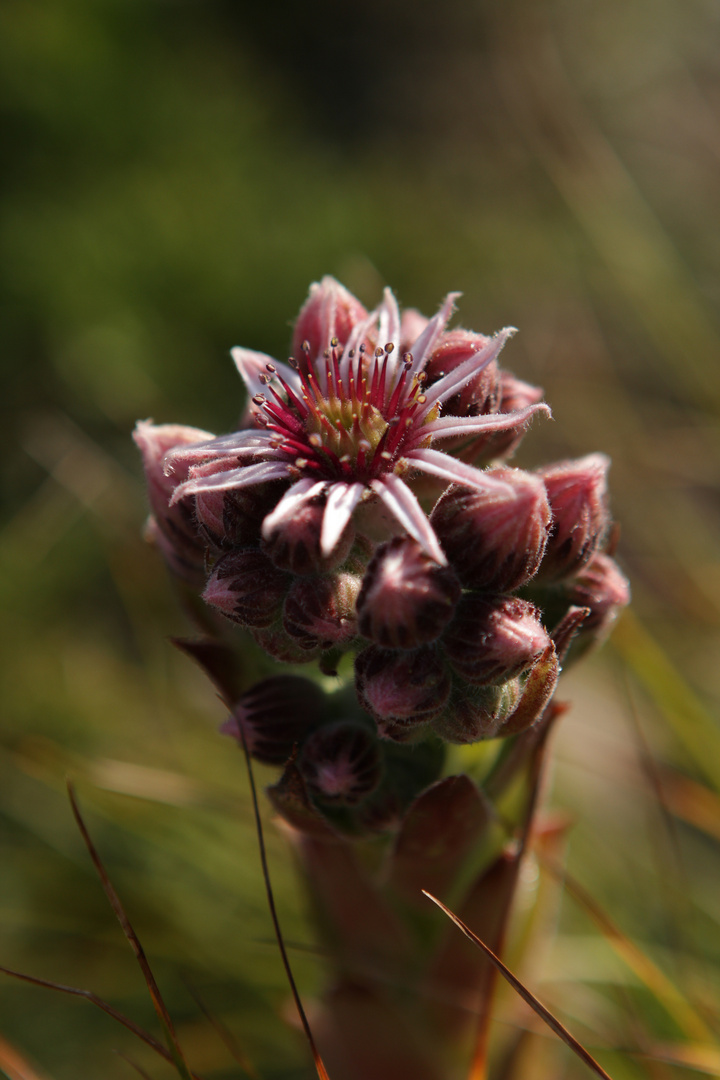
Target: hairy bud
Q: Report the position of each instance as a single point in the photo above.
(292, 534)
(494, 539)
(172, 528)
(404, 688)
(493, 639)
(330, 312)
(476, 712)
(482, 393)
(602, 587)
(275, 715)
(320, 610)
(514, 395)
(247, 588)
(341, 763)
(577, 491)
(406, 598)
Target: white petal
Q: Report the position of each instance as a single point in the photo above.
(403, 505)
(252, 365)
(426, 342)
(245, 476)
(342, 500)
(448, 426)
(389, 326)
(291, 502)
(455, 472)
(358, 333)
(457, 378)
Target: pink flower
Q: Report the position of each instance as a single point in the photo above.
(356, 418)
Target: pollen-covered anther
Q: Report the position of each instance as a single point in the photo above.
(406, 599)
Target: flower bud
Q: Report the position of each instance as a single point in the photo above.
(319, 611)
(275, 715)
(476, 712)
(172, 528)
(276, 642)
(577, 491)
(405, 688)
(493, 639)
(341, 763)
(482, 393)
(291, 536)
(234, 518)
(602, 587)
(494, 539)
(247, 588)
(406, 599)
(330, 312)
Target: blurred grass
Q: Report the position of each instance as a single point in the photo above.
(175, 175)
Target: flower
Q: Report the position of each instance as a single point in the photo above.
(355, 417)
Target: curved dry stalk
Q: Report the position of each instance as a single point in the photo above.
(319, 1064)
(545, 1015)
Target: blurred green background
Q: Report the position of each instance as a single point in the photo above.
(175, 173)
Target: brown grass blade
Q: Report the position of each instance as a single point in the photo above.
(176, 1053)
(662, 988)
(75, 991)
(15, 1066)
(545, 1015)
(319, 1064)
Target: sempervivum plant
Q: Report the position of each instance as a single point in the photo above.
(364, 518)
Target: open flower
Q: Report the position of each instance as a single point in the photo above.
(355, 417)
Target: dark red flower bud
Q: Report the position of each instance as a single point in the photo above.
(405, 688)
(320, 610)
(406, 599)
(602, 587)
(476, 712)
(277, 643)
(494, 539)
(292, 532)
(577, 491)
(172, 528)
(234, 518)
(247, 588)
(341, 763)
(330, 312)
(275, 715)
(493, 639)
(482, 393)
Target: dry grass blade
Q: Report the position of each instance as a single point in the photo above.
(227, 1037)
(560, 1030)
(176, 1053)
(649, 974)
(95, 1000)
(319, 1065)
(14, 1066)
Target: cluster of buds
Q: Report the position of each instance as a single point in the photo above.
(365, 508)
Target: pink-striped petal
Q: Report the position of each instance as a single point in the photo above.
(291, 502)
(448, 426)
(457, 378)
(389, 325)
(405, 508)
(245, 476)
(341, 502)
(450, 469)
(252, 365)
(426, 342)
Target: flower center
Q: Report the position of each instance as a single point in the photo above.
(348, 420)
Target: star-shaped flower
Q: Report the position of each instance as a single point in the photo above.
(366, 406)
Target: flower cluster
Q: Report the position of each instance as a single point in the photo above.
(365, 507)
